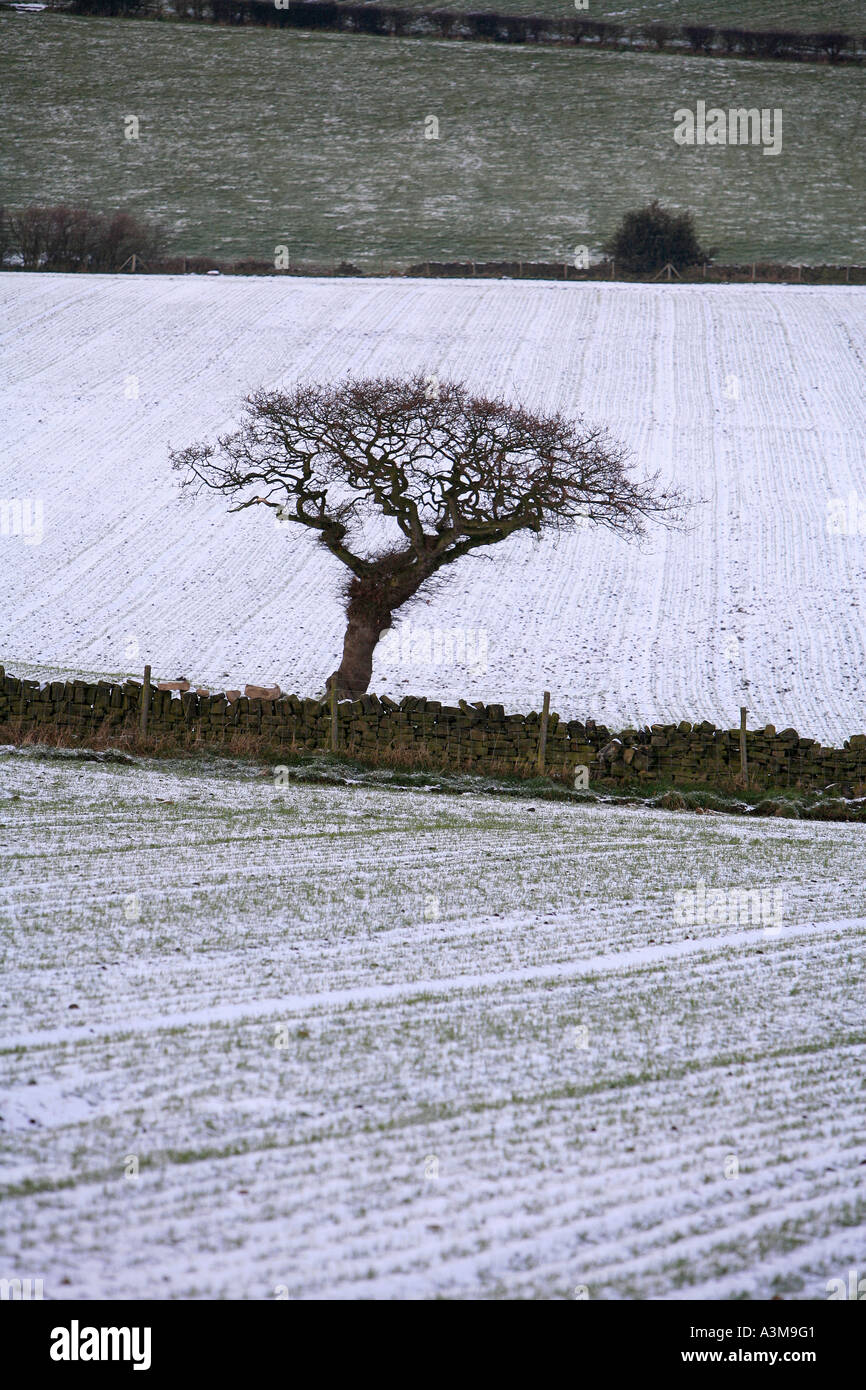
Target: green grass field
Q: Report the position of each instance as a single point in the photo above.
(802, 15)
(255, 139)
(846, 15)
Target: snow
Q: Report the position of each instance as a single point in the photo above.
(749, 397)
(373, 1044)
(350, 1041)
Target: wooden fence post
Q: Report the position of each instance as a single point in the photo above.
(744, 766)
(542, 737)
(334, 725)
(145, 701)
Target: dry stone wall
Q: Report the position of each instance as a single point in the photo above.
(476, 737)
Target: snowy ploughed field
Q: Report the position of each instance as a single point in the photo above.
(352, 1042)
(750, 398)
(364, 1041)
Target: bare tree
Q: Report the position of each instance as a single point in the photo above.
(30, 230)
(448, 471)
(65, 238)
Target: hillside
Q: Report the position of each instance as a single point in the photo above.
(749, 397)
(756, 14)
(324, 152)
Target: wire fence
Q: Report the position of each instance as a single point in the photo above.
(757, 272)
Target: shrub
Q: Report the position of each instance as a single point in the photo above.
(314, 16)
(64, 238)
(106, 7)
(120, 236)
(365, 19)
(740, 41)
(777, 807)
(700, 37)
(483, 24)
(442, 22)
(604, 32)
(732, 40)
(250, 266)
(650, 238)
(515, 29)
(577, 29)
(658, 34)
(834, 808)
(770, 43)
(200, 265)
(831, 43)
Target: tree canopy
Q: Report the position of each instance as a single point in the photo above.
(451, 471)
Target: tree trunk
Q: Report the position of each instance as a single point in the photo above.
(371, 602)
(356, 668)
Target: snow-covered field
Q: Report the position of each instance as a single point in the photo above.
(751, 398)
(350, 1042)
(357, 1042)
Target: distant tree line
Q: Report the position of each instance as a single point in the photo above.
(494, 27)
(66, 238)
(647, 242)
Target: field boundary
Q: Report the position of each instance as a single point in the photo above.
(460, 738)
(756, 273)
(491, 26)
